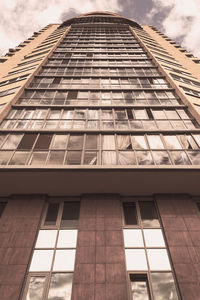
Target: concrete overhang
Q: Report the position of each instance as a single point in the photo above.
(75, 181)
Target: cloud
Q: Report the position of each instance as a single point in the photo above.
(19, 18)
(180, 21)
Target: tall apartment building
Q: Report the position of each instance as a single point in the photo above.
(99, 164)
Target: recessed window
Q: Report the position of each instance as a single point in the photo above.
(52, 214)
(130, 213)
(149, 215)
(70, 214)
(139, 287)
(43, 141)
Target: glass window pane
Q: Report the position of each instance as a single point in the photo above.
(56, 158)
(64, 260)
(126, 158)
(46, 239)
(155, 142)
(195, 157)
(4, 157)
(108, 142)
(67, 239)
(109, 158)
(19, 158)
(59, 141)
(158, 259)
(163, 286)
(140, 114)
(161, 157)
(124, 142)
(139, 287)
(75, 142)
(144, 158)
(36, 288)
(12, 141)
(27, 141)
(139, 142)
(133, 238)
(38, 158)
(52, 214)
(43, 141)
(60, 286)
(180, 158)
(148, 214)
(172, 142)
(91, 141)
(73, 158)
(41, 260)
(154, 238)
(70, 214)
(135, 259)
(130, 213)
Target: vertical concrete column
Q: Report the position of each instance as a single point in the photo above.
(181, 224)
(18, 228)
(100, 272)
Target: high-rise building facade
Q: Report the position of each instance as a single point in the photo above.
(99, 164)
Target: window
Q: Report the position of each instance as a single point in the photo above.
(147, 259)
(8, 92)
(2, 207)
(52, 264)
(139, 287)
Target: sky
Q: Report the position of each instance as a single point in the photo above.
(179, 19)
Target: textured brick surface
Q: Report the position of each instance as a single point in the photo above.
(181, 222)
(100, 272)
(18, 228)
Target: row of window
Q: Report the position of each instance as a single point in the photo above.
(99, 83)
(103, 55)
(96, 119)
(109, 155)
(185, 80)
(146, 255)
(92, 98)
(101, 71)
(54, 253)
(103, 114)
(100, 62)
(97, 124)
(52, 264)
(45, 141)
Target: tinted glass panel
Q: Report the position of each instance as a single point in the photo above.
(60, 286)
(149, 214)
(163, 286)
(130, 213)
(43, 141)
(27, 141)
(70, 214)
(52, 214)
(139, 287)
(35, 288)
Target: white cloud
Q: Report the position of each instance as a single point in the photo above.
(181, 22)
(20, 18)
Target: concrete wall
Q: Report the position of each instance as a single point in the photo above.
(181, 222)
(100, 272)
(18, 229)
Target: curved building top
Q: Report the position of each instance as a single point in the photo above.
(97, 14)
